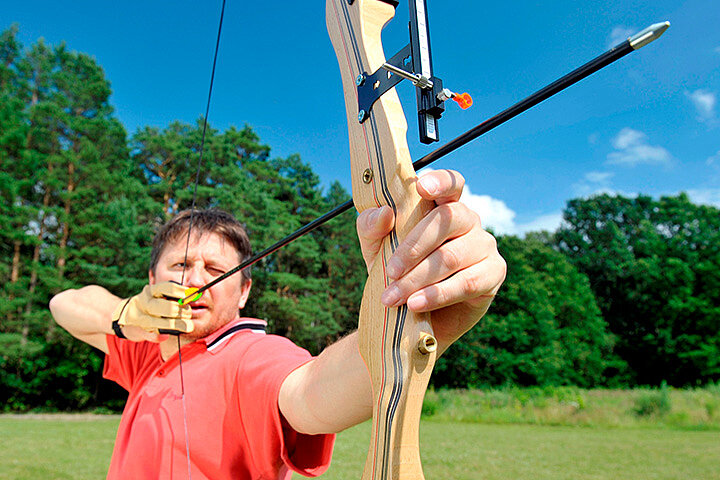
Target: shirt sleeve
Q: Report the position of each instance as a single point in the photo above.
(263, 368)
(126, 361)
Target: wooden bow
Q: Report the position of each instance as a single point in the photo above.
(397, 345)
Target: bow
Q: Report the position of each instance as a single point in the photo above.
(397, 344)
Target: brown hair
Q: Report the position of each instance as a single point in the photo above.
(203, 221)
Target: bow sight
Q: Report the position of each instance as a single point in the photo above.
(413, 62)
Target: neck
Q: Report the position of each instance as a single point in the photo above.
(169, 347)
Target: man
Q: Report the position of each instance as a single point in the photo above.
(257, 405)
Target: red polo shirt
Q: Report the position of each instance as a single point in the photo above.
(235, 430)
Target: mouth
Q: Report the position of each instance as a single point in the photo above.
(198, 307)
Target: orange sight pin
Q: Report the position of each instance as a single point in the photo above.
(463, 99)
(189, 297)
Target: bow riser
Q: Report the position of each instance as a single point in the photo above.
(382, 174)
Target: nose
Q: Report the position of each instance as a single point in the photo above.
(194, 276)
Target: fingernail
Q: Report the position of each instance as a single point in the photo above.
(391, 297)
(394, 268)
(429, 184)
(417, 301)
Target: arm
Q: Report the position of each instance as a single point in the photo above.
(86, 314)
(448, 265)
(330, 393)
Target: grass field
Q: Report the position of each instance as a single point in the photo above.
(78, 447)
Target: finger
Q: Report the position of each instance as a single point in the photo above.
(441, 186)
(165, 325)
(443, 223)
(170, 290)
(476, 285)
(448, 259)
(373, 225)
(161, 307)
(135, 333)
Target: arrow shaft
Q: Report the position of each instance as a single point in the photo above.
(597, 63)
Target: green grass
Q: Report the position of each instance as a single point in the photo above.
(691, 409)
(56, 447)
(79, 447)
(492, 452)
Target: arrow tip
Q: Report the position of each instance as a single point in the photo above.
(650, 34)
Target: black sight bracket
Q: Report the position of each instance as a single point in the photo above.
(412, 62)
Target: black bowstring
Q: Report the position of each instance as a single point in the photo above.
(202, 141)
(192, 214)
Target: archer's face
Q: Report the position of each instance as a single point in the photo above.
(209, 256)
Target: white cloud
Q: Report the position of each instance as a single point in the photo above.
(495, 214)
(632, 148)
(593, 183)
(498, 217)
(704, 102)
(714, 159)
(620, 34)
(598, 177)
(706, 196)
(549, 222)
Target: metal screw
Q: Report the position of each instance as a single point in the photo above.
(427, 343)
(360, 79)
(362, 115)
(367, 175)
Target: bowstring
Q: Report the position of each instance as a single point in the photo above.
(202, 140)
(192, 214)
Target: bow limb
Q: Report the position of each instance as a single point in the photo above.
(396, 344)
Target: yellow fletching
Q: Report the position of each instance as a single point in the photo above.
(189, 297)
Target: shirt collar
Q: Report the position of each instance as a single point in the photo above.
(230, 329)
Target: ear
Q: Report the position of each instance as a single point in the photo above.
(245, 293)
(151, 277)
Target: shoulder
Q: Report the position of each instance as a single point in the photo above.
(254, 347)
(246, 340)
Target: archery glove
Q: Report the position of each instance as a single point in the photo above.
(156, 310)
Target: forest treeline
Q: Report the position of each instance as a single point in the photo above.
(626, 292)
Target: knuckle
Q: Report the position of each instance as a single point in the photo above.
(450, 258)
(445, 215)
(439, 295)
(471, 285)
(457, 178)
(502, 267)
(414, 250)
(489, 240)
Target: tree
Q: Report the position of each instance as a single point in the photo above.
(67, 176)
(654, 266)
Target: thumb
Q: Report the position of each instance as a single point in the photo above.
(373, 225)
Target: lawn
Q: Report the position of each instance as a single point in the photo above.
(79, 447)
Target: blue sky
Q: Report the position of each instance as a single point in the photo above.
(649, 123)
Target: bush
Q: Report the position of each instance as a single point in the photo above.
(653, 403)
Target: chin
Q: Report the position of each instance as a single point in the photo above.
(204, 327)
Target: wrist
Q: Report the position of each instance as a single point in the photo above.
(118, 329)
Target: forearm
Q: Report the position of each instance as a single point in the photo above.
(330, 393)
(85, 313)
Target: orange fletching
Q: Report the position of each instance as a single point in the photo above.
(464, 100)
